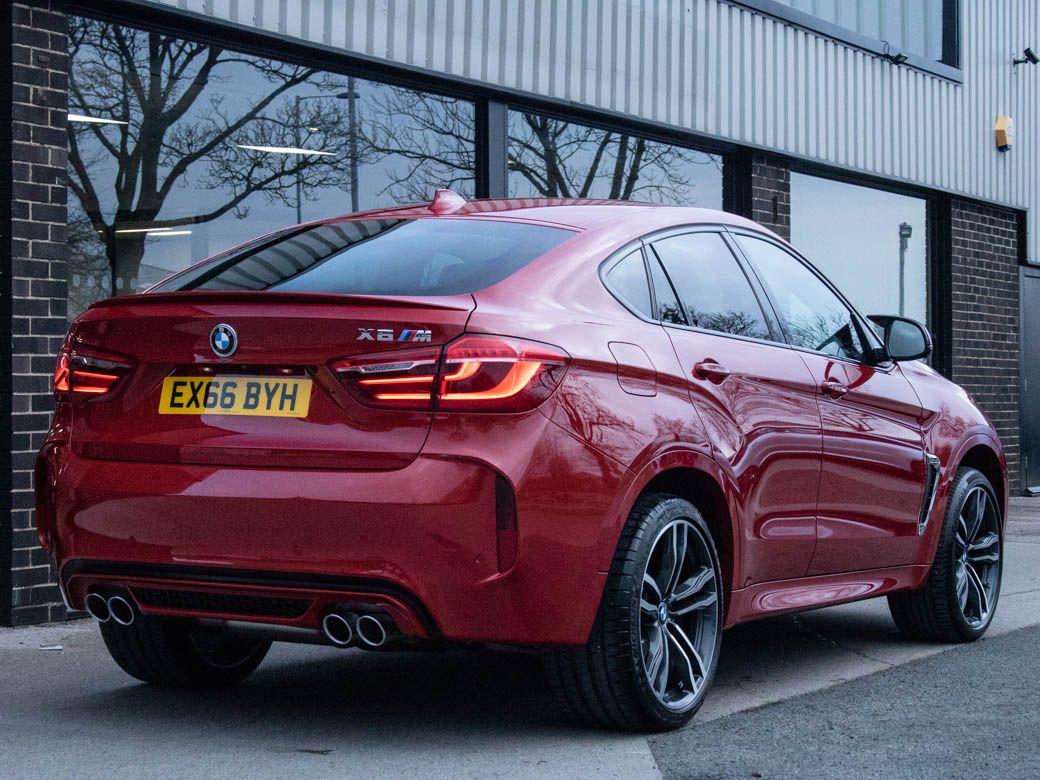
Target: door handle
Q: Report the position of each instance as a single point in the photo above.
(833, 388)
(709, 369)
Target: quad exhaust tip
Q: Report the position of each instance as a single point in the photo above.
(338, 628)
(97, 607)
(121, 610)
(115, 608)
(374, 630)
(343, 628)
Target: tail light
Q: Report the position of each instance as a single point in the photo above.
(88, 374)
(402, 379)
(472, 374)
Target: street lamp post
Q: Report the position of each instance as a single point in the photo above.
(350, 95)
(905, 231)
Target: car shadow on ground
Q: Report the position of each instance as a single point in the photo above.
(458, 691)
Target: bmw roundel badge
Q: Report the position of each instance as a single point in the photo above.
(223, 340)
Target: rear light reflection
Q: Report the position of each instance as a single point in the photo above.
(87, 373)
(475, 373)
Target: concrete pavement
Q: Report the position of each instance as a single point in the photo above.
(312, 711)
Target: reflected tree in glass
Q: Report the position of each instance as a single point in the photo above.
(431, 137)
(170, 125)
(555, 158)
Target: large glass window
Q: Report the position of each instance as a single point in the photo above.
(557, 159)
(713, 288)
(814, 317)
(870, 243)
(179, 150)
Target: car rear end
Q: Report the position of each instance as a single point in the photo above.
(309, 425)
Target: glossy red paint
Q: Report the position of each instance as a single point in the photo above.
(814, 496)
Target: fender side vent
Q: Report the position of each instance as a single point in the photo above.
(931, 484)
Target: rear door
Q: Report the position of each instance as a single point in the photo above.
(755, 397)
(872, 482)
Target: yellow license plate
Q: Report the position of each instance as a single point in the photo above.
(256, 396)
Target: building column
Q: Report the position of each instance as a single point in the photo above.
(984, 259)
(770, 201)
(33, 106)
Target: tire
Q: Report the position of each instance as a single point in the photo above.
(606, 682)
(944, 608)
(176, 654)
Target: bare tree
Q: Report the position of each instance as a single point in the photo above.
(554, 157)
(568, 160)
(433, 134)
(171, 120)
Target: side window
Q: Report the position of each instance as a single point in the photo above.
(715, 293)
(668, 308)
(814, 316)
(627, 280)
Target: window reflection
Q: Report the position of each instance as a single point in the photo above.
(716, 293)
(859, 237)
(557, 159)
(179, 150)
(814, 317)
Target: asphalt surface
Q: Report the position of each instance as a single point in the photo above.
(831, 692)
(969, 713)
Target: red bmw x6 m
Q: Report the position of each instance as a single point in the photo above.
(605, 430)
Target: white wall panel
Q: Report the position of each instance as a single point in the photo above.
(718, 68)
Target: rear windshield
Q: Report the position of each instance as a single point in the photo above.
(378, 257)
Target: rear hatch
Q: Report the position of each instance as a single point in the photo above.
(239, 360)
(280, 339)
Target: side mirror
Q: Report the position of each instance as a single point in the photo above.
(905, 339)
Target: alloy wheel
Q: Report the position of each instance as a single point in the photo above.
(679, 614)
(977, 557)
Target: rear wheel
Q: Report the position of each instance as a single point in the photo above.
(179, 654)
(959, 598)
(652, 653)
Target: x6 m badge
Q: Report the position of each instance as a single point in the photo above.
(389, 334)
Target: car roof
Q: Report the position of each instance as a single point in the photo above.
(574, 213)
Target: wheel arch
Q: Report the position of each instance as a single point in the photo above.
(700, 489)
(699, 480)
(987, 460)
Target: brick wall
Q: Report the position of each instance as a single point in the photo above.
(771, 194)
(33, 192)
(984, 264)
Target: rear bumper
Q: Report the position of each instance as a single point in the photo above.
(419, 542)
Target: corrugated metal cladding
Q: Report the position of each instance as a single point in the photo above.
(718, 68)
(909, 25)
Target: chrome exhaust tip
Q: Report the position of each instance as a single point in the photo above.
(337, 628)
(374, 630)
(97, 607)
(121, 610)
